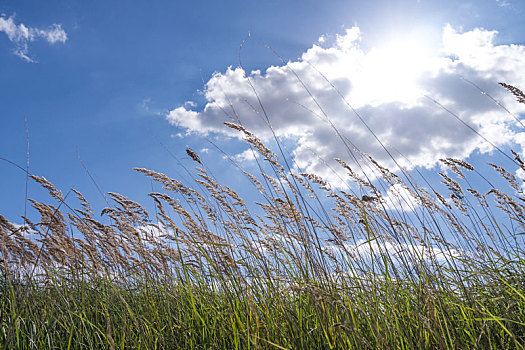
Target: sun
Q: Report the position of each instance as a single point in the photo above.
(390, 72)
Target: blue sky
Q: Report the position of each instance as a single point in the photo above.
(110, 81)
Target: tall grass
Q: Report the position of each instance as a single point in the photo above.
(305, 266)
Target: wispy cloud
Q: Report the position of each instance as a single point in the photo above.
(502, 3)
(21, 35)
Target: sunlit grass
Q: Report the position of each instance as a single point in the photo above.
(306, 266)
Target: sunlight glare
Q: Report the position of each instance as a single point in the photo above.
(390, 72)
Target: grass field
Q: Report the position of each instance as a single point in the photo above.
(307, 266)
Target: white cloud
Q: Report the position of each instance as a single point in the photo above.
(520, 174)
(21, 35)
(398, 197)
(387, 86)
(177, 136)
(246, 155)
(154, 232)
(365, 250)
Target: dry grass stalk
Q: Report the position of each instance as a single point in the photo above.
(520, 96)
